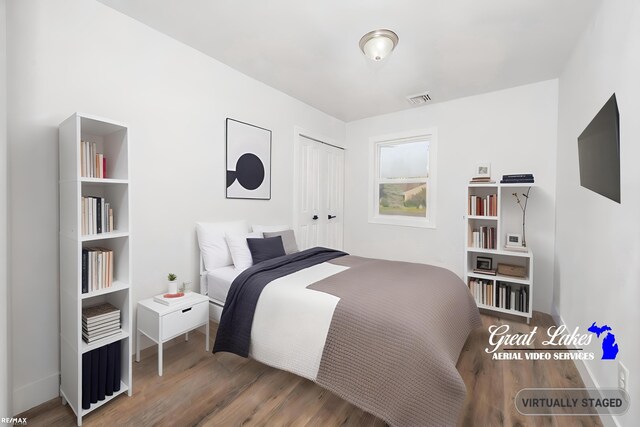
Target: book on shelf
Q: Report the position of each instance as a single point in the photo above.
(101, 372)
(484, 238)
(524, 178)
(97, 215)
(92, 163)
(99, 312)
(500, 295)
(487, 272)
(517, 181)
(100, 321)
(481, 181)
(92, 338)
(101, 327)
(111, 320)
(516, 248)
(518, 176)
(93, 381)
(97, 269)
(483, 206)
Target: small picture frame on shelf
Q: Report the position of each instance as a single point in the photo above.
(514, 240)
(483, 170)
(484, 263)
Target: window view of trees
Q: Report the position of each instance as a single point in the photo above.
(409, 199)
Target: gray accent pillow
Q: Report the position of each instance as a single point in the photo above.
(288, 240)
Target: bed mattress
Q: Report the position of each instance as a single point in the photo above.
(219, 281)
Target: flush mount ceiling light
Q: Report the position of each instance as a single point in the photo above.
(377, 44)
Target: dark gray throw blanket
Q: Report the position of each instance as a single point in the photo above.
(234, 330)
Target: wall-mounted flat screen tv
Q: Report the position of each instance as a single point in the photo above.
(599, 152)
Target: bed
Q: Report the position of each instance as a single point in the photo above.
(383, 335)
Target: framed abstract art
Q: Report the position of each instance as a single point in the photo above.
(248, 161)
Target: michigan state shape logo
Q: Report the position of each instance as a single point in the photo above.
(609, 344)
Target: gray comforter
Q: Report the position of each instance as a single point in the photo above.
(393, 340)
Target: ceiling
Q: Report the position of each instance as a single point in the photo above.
(309, 49)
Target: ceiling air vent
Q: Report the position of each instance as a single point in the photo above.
(419, 99)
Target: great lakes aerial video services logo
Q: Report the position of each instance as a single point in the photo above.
(559, 344)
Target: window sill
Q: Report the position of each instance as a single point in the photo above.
(402, 222)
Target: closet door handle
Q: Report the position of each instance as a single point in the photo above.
(330, 216)
(315, 217)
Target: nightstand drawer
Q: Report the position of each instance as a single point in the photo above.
(180, 321)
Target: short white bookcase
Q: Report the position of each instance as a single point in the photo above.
(499, 254)
(112, 140)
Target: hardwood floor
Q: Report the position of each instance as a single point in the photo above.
(202, 389)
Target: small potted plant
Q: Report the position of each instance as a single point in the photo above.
(173, 283)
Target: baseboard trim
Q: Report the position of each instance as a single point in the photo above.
(36, 393)
(584, 371)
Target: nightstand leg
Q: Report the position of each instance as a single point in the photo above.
(160, 359)
(206, 344)
(137, 345)
(186, 336)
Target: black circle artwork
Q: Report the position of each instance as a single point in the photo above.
(249, 172)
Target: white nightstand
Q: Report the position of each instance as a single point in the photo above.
(160, 322)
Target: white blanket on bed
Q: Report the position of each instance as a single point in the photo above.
(291, 322)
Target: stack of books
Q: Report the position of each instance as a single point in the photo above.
(484, 237)
(101, 370)
(500, 295)
(483, 206)
(100, 321)
(482, 180)
(172, 299)
(92, 163)
(97, 269)
(97, 215)
(523, 178)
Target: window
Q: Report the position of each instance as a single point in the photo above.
(403, 179)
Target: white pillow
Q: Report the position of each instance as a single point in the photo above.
(239, 249)
(214, 249)
(269, 228)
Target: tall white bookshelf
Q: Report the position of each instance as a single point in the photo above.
(499, 254)
(112, 139)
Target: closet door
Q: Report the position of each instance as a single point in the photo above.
(332, 179)
(320, 194)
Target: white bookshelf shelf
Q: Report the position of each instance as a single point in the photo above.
(502, 255)
(101, 343)
(104, 181)
(500, 278)
(104, 236)
(112, 140)
(115, 287)
(504, 310)
(500, 252)
(123, 389)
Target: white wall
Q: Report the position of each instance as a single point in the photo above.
(78, 55)
(514, 129)
(597, 240)
(5, 402)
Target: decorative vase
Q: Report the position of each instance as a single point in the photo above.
(173, 287)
